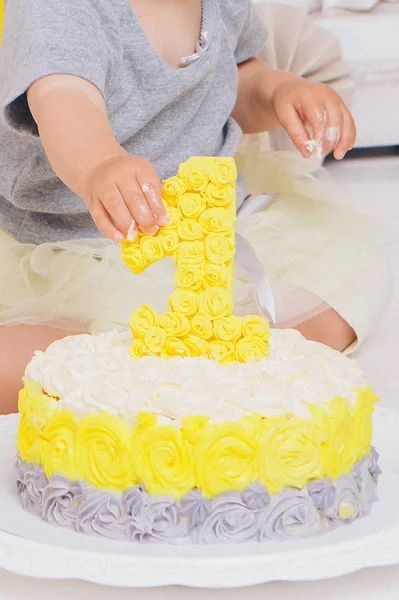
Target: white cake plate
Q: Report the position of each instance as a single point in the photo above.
(32, 548)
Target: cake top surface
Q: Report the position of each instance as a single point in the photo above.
(93, 374)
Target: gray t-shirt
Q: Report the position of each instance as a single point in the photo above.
(163, 114)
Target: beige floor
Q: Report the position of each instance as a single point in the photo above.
(372, 185)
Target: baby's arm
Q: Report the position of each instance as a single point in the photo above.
(73, 126)
(268, 99)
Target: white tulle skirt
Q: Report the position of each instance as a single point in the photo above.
(316, 252)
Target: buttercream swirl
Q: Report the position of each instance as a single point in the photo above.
(231, 517)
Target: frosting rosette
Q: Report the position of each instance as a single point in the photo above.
(290, 453)
(214, 275)
(343, 451)
(223, 197)
(195, 174)
(142, 319)
(175, 347)
(172, 189)
(364, 409)
(163, 461)
(223, 172)
(224, 458)
(227, 329)
(174, 219)
(219, 248)
(222, 352)
(184, 302)
(191, 253)
(251, 349)
(253, 325)
(190, 230)
(191, 205)
(57, 447)
(169, 240)
(188, 277)
(151, 248)
(202, 327)
(133, 257)
(138, 349)
(215, 303)
(217, 220)
(155, 339)
(103, 452)
(196, 345)
(174, 324)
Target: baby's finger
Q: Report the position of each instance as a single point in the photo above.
(348, 136)
(104, 223)
(138, 207)
(319, 122)
(152, 190)
(296, 129)
(115, 206)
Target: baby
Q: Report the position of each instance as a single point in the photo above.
(103, 99)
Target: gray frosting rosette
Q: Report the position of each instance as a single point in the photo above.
(233, 517)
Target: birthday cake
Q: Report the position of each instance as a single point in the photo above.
(196, 426)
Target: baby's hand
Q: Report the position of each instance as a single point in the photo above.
(299, 103)
(122, 189)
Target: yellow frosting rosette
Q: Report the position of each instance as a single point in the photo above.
(290, 453)
(224, 459)
(196, 345)
(343, 450)
(215, 303)
(169, 240)
(174, 324)
(190, 230)
(251, 349)
(191, 205)
(363, 417)
(202, 327)
(223, 172)
(133, 257)
(58, 447)
(142, 319)
(188, 277)
(175, 347)
(172, 189)
(221, 197)
(163, 461)
(174, 219)
(195, 175)
(222, 352)
(151, 248)
(36, 411)
(103, 452)
(138, 349)
(253, 325)
(219, 248)
(155, 339)
(191, 253)
(227, 329)
(214, 275)
(184, 302)
(217, 220)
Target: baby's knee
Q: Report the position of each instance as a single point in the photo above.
(17, 346)
(330, 329)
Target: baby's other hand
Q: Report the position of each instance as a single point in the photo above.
(122, 189)
(299, 103)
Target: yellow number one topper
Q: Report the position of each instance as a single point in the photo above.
(200, 236)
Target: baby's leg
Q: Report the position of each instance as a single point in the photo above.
(17, 345)
(328, 328)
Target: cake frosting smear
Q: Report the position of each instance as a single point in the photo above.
(195, 426)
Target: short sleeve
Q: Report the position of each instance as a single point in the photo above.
(246, 30)
(47, 37)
